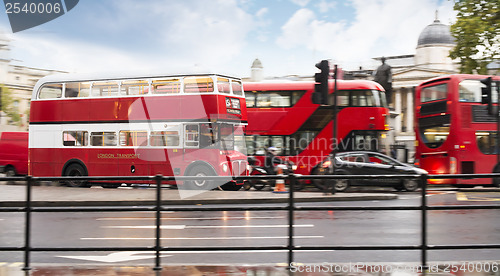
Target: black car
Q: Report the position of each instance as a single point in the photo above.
(370, 163)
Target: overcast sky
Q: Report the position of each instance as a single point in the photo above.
(288, 36)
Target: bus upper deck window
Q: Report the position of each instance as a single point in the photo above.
(104, 89)
(77, 89)
(362, 98)
(250, 98)
(435, 92)
(237, 87)
(223, 86)
(51, 91)
(343, 98)
(198, 85)
(167, 86)
(135, 87)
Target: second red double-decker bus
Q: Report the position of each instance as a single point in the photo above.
(282, 115)
(454, 132)
(173, 124)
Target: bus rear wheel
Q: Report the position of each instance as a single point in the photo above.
(76, 170)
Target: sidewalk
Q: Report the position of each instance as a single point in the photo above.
(44, 196)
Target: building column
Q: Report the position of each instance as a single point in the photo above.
(409, 110)
(397, 109)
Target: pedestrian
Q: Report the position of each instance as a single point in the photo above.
(272, 160)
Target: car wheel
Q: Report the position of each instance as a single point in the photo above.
(231, 186)
(10, 172)
(299, 185)
(410, 185)
(340, 185)
(321, 184)
(259, 184)
(247, 186)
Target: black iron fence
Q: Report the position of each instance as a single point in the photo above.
(423, 246)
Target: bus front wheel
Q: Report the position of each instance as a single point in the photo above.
(76, 170)
(199, 184)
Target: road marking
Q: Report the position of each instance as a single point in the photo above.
(16, 264)
(170, 227)
(117, 257)
(133, 255)
(180, 227)
(248, 226)
(211, 238)
(479, 196)
(462, 197)
(242, 251)
(190, 218)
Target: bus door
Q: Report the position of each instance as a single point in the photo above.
(134, 143)
(201, 143)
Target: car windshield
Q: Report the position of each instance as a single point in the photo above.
(371, 158)
(381, 159)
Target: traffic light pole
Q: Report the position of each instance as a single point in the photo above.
(334, 122)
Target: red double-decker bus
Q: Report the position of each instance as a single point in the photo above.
(454, 132)
(282, 115)
(174, 125)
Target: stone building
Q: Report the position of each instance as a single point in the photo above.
(431, 59)
(19, 80)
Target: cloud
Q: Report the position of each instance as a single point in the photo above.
(55, 53)
(262, 12)
(325, 6)
(225, 34)
(133, 34)
(380, 27)
(301, 3)
(261, 24)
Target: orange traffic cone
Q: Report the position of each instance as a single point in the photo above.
(280, 183)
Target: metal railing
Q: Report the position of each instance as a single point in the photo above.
(423, 247)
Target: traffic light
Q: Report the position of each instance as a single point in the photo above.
(320, 95)
(486, 93)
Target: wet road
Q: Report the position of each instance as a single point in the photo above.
(264, 228)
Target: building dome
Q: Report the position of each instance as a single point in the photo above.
(435, 33)
(257, 64)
